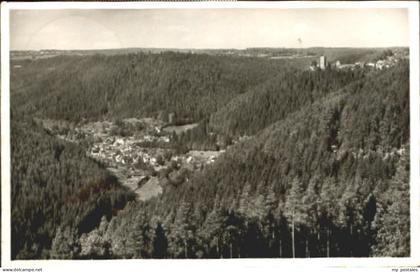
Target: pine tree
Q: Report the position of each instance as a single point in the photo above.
(232, 234)
(310, 202)
(328, 210)
(294, 210)
(64, 244)
(182, 234)
(211, 232)
(160, 243)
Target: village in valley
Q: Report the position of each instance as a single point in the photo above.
(138, 152)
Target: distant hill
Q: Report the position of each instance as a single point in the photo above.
(191, 86)
(121, 83)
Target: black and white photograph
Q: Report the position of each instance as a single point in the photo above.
(209, 133)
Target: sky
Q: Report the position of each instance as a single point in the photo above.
(207, 28)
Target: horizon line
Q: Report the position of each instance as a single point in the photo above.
(219, 48)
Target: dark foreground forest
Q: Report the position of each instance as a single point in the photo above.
(316, 163)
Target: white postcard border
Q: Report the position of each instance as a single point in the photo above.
(318, 264)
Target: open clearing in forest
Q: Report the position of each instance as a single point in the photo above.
(180, 129)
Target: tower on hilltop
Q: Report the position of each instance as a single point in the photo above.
(322, 62)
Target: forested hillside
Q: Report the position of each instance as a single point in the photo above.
(55, 186)
(318, 183)
(188, 85)
(310, 165)
(254, 110)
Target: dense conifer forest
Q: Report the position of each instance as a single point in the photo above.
(189, 85)
(55, 185)
(315, 163)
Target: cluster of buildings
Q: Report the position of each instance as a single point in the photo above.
(380, 64)
(125, 153)
(130, 158)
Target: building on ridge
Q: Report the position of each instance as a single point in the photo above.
(337, 64)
